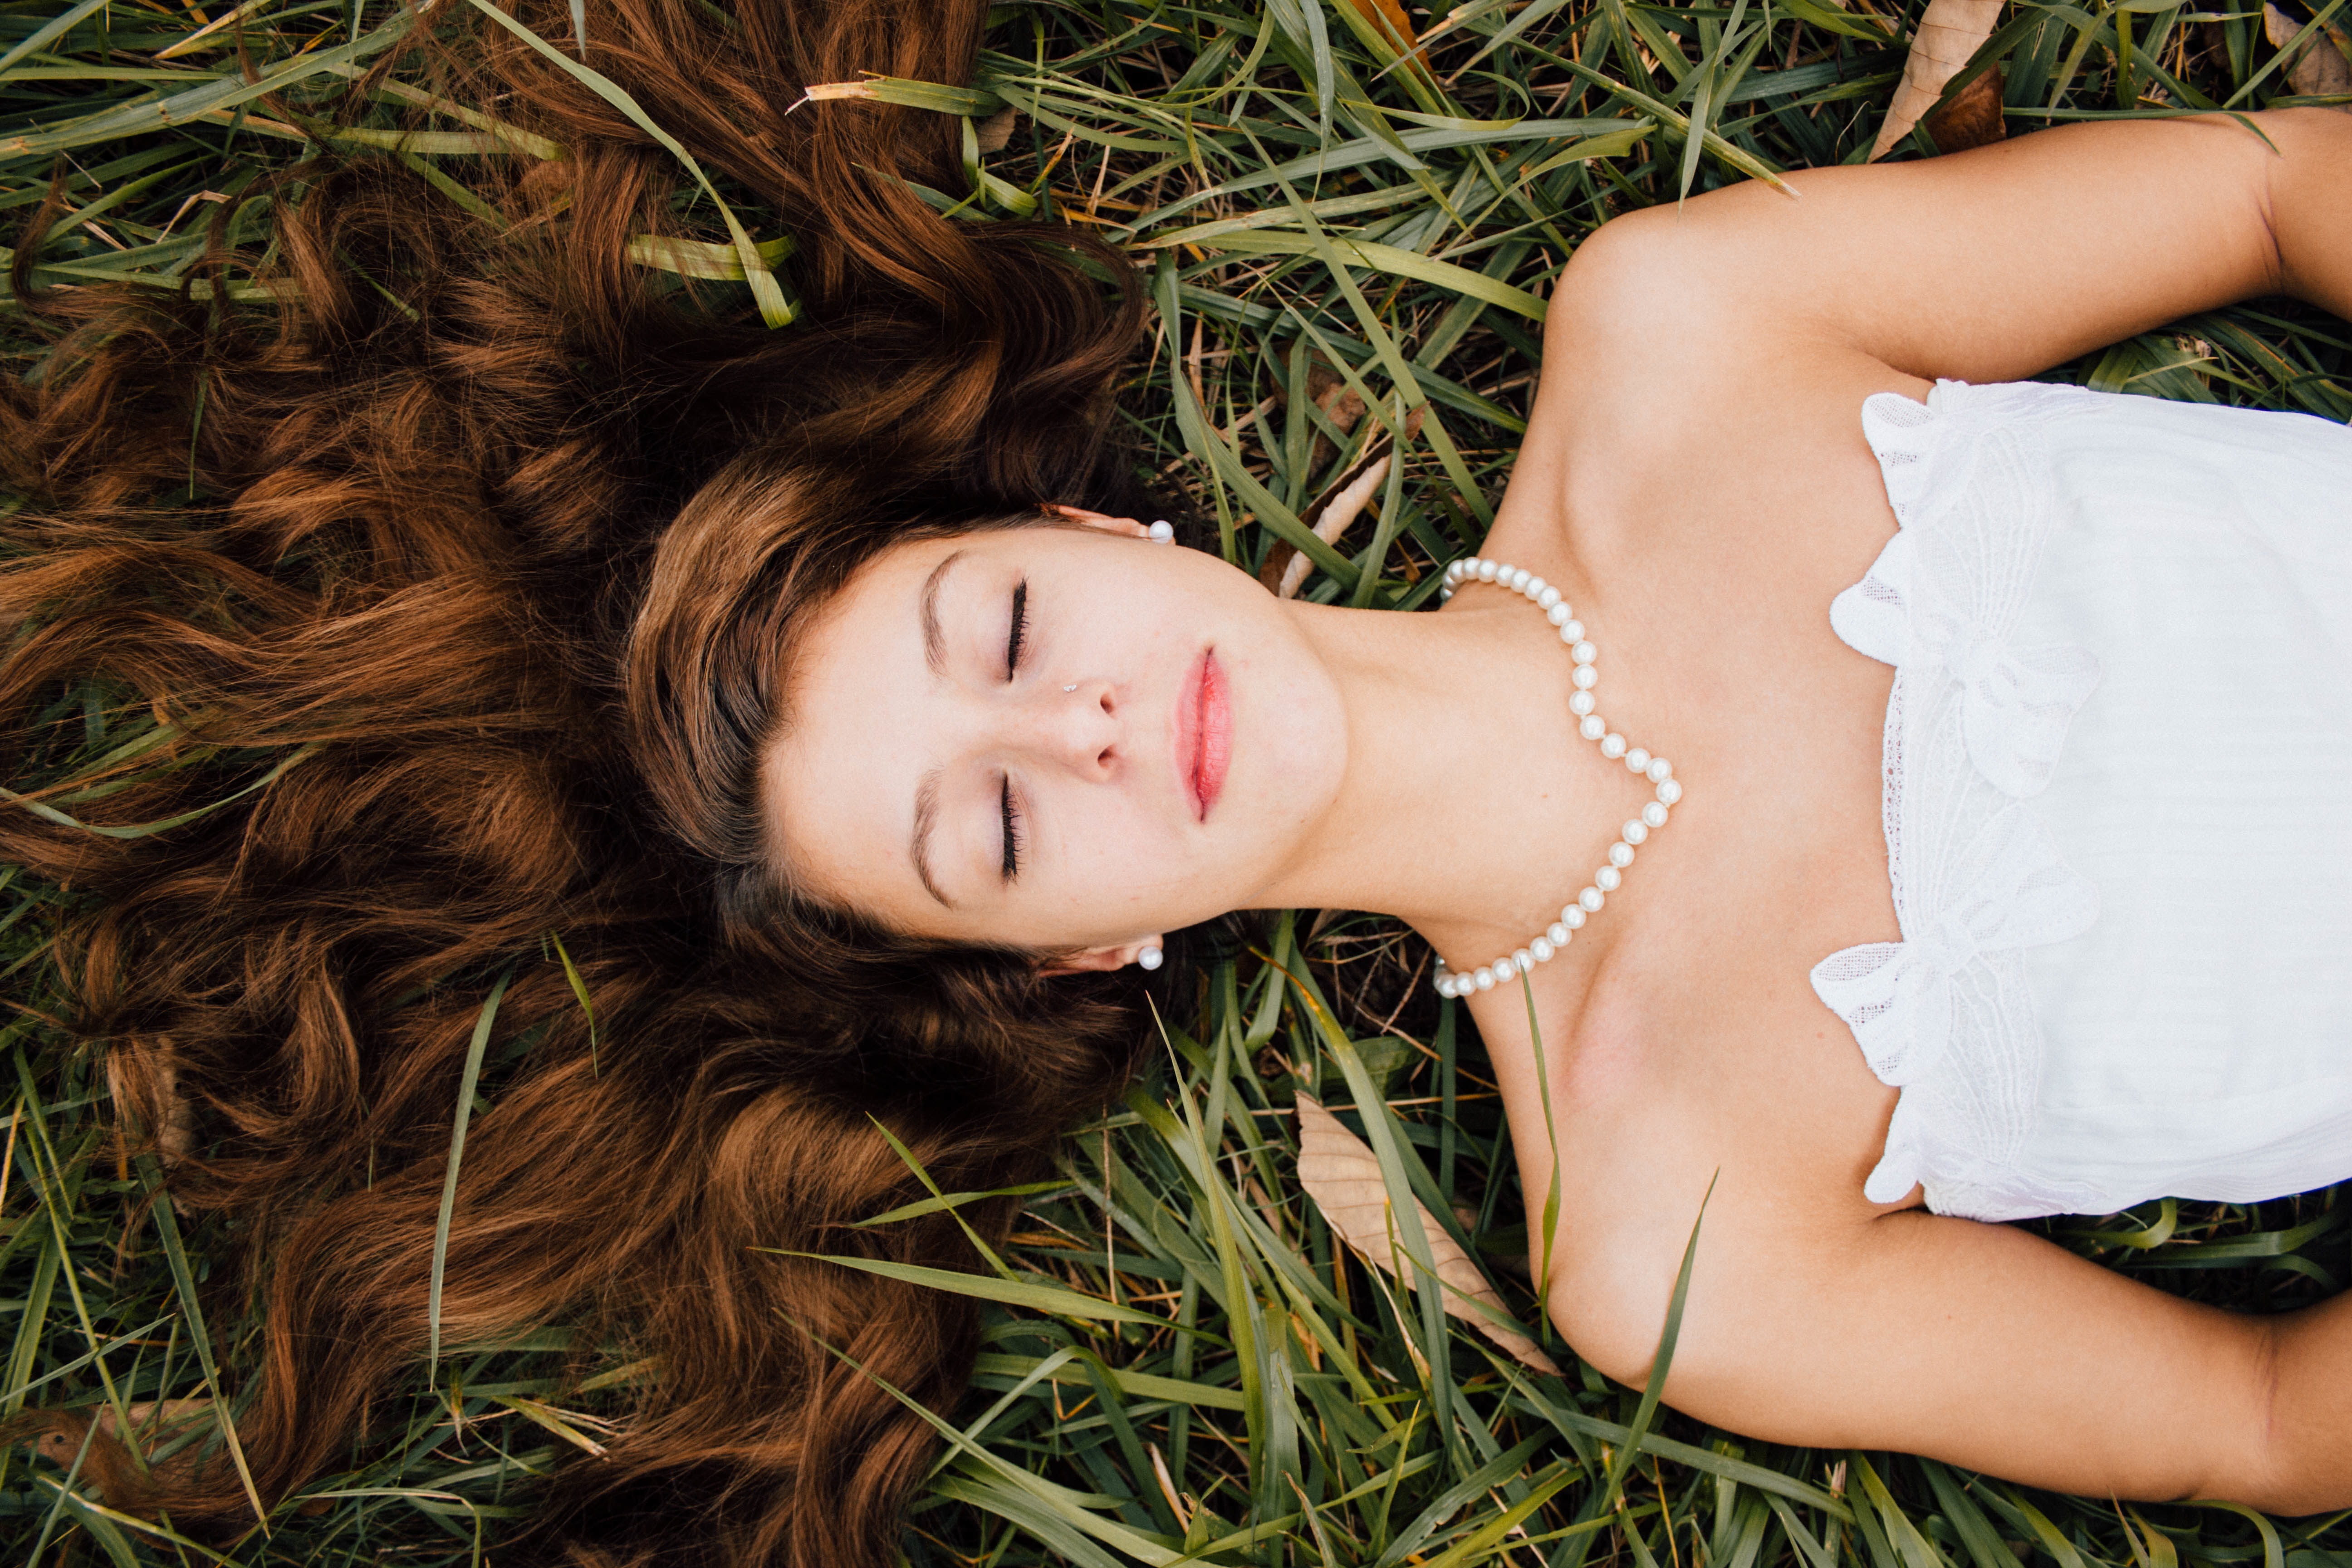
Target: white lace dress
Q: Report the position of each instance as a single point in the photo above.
(2118, 801)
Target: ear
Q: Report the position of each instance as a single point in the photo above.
(1104, 520)
(1096, 959)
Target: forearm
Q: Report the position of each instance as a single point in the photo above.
(2311, 203)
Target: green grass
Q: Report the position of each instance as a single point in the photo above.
(1208, 1381)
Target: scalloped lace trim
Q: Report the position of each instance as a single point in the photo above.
(1974, 727)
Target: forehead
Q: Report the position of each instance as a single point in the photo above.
(841, 775)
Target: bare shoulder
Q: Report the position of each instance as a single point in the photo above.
(1667, 391)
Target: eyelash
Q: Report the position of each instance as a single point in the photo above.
(1020, 628)
(1011, 833)
(1012, 866)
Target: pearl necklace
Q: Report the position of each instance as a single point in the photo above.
(1592, 727)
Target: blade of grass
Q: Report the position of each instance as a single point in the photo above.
(465, 1082)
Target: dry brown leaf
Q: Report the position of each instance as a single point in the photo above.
(1343, 408)
(1338, 514)
(1389, 20)
(995, 132)
(146, 1418)
(1949, 32)
(1973, 117)
(2320, 67)
(1341, 1173)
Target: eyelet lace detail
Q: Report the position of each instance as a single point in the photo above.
(1974, 727)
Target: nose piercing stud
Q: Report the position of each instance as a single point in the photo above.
(1162, 532)
(1072, 687)
(1149, 957)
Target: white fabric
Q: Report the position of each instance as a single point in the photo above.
(2118, 801)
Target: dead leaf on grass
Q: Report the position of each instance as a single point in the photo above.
(1333, 520)
(151, 1420)
(996, 130)
(2320, 68)
(1950, 33)
(1343, 1176)
(1389, 20)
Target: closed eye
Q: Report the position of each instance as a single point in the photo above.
(1012, 866)
(1020, 628)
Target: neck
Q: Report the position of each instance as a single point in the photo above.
(1470, 807)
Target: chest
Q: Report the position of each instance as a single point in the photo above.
(1692, 1040)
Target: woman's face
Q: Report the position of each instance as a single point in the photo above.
(1052, 738)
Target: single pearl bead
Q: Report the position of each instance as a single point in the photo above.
(1572, 917)
(1519, 579)
(1620, 854)
(1660, 770)
(1535, 589)
(1593, 726)
(1444, 983)
(1584, 653)
(1526, 959)
(1549, 600)
(1542, 948)
(1591, 899)
(1637, 758)
(1607, 879)
(1486, 570)
(1505, 969)
(1453, 574)
(1586, 677)
(1443, 594)
(1558, 933)
(1655, 814)
(1670, 792)
(1484, 980)
(1556, 615)
(1613, 745)
(1581, 703)
(1571, 630)
(1635, 831)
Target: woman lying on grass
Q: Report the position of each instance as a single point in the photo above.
(822, 692)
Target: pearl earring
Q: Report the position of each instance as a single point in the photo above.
(1162, 532)
(1149, 957)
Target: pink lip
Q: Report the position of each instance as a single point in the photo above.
(1204, 733)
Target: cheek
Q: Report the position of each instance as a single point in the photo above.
(1114, 847)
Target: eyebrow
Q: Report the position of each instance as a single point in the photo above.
(935, 642)
(927, 792)
(918, 848)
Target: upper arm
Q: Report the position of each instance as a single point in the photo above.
(1979, 1344)
(1989, 265)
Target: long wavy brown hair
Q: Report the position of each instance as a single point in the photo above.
(500, 539)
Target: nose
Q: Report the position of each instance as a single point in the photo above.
(1073, 725)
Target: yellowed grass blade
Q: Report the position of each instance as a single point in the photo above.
(1949, 32)
(1343, 1176)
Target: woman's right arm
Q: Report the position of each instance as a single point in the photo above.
(2311, 1394)
(2311, 206)
(1985, 1346)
